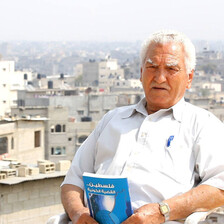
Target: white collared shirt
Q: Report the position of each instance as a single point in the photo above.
(163, 154)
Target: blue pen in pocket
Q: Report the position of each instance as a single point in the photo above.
(170, 139)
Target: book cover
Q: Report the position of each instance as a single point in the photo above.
(108, 198)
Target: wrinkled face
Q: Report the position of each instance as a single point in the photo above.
(163, 76)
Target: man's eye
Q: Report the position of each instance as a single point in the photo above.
(151, 66)
(174, 69)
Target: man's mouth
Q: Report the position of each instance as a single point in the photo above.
(159, 88)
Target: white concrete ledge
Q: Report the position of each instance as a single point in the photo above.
(17, 180)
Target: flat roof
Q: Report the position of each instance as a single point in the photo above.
(18, 180)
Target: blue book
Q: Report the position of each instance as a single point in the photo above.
(108, 198)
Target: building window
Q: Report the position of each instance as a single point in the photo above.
(69, 139)
(82, 138)
(58, 128)
(52, 129)
(58, 150)
(52, 150)
(37, 139)
(21, 103)
(80, 112)
(12, 143)
(3, 145)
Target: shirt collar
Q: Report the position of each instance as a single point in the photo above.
(177, 109)
(139, 107)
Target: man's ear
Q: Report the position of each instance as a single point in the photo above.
(141, 74)
(190, 79)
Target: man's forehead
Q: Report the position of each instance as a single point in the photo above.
(169, 61)
(173, 45)
(170, 52)
(165, 48)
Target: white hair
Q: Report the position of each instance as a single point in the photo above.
(166, 36)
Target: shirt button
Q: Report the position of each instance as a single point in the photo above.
(143, 134)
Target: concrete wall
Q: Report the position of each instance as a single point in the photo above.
(57, 116)
(67, 139)
(27, 152)
(30, 202)
(90, 73)
(22, 132)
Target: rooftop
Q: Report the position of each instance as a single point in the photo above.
(17, 180)
(12, 172)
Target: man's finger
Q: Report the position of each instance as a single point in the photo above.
(86, 219)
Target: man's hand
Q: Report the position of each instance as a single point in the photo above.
(83, 217)
(147, 214)
(72, 200)
(198, 199)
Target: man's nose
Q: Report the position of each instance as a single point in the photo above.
(160, 76)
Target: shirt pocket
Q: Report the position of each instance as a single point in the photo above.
(182, 159)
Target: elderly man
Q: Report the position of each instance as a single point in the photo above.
(170, 150)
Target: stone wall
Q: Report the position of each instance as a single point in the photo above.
(31, 201)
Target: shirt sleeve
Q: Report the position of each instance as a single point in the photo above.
(84, 158)
(210, 151)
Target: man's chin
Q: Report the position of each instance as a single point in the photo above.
(158, 104)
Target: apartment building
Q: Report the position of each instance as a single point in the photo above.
(22, 138)
(10, 82)
(70, 119)
(101, 73)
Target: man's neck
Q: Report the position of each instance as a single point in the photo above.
(152, 110)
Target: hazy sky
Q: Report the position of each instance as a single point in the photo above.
(108, 20)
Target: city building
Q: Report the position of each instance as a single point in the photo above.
(70, 119)
(23, 138)
(102, 74)
(30, 193)
(10, 82)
